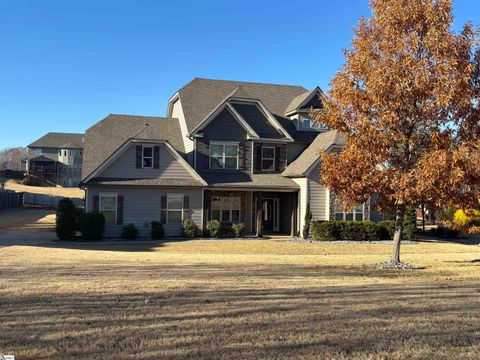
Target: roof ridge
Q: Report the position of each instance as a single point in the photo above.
(246, 82)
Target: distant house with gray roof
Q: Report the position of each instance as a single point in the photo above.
(228, 150)
(56, 158)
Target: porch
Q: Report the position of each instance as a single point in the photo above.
(271, 212)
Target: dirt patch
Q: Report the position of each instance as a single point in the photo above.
(53, 191)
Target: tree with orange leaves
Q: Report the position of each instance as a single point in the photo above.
(408, 99)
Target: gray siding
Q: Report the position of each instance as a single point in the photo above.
(142, 205)
(317, 195)
(125, 167)
(177, 112)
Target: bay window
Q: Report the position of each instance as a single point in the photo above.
(355, 214)
(226, 209)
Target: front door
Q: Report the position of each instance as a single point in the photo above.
(270, 214)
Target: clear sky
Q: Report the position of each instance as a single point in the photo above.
(64, 65)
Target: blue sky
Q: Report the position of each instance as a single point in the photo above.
(64, 65)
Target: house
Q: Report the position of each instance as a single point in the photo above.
(227, 150)
(56, 158)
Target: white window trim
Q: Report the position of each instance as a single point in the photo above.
(224, 143)
(268, 147)
(181, 196)
(146, 157)
(354, 212)
(106, 194)
(230, 209)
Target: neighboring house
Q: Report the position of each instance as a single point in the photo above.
(56, 158)
(228, 150)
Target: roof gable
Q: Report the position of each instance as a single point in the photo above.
(201, 96)
(105, 137)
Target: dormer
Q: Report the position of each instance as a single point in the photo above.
(300, 109)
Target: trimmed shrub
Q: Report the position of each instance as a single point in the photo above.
(387, 229)
(129, 232)
(91, 226)
(238, 229)
(325, 230)
(157, 231)
(308, 219)
(190, 229)
(351, 230)
(66, 221)
(410, 225)
(214, 228)
(371, 231)
(445, 232)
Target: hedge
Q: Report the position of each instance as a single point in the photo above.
(351, 230)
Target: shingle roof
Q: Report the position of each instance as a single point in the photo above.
(200, 96)
(238, 179)
(56, 140)
(105, 137)
(311, 154)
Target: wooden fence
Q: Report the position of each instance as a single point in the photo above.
(9, 199)
(43, 200)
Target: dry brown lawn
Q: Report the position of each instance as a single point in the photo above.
(268, 299)
(53, 191)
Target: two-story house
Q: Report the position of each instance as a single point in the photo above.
(56, 158)
(227, 150)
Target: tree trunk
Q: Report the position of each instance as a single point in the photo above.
(397, 237)
(424, 210)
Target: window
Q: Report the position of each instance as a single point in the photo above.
(59, 152)
(64, 152)
(223, 156)
(226, 209)
(69, 152)
(268, 158)
(355, 214)
(38, 151)
(306, 124)
(174, 209)
(108, 207)
(147, 157)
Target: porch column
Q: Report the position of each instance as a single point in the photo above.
(259, 214)
(293, 231)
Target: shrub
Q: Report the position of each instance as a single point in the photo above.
(410, 225)
(325, 230)
(79, 213)
(445, 232)
(214, 228)
(190, 229)
(308, 219)
(91, 226)
(387, 229)
(129, 232)
(371, 231)
(157, 231)
(238, 229)
(351, 230)
(66, 221)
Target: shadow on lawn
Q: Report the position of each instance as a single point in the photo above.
(205, 322)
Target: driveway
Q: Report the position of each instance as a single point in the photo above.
(26, 226)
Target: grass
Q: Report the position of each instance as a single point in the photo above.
(53, 191)
(267, 299)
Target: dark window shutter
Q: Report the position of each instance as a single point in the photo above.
(163, 209)
(240, 157)
(156, 157)
(258, 158)
(277, 158)
(186, 208)
(96, 205)
(139, 156)
(120, 210)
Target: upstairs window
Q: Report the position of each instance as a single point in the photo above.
(307, 123)
(268, 158)
(355, 214)
(147, 159)
(223, 156)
